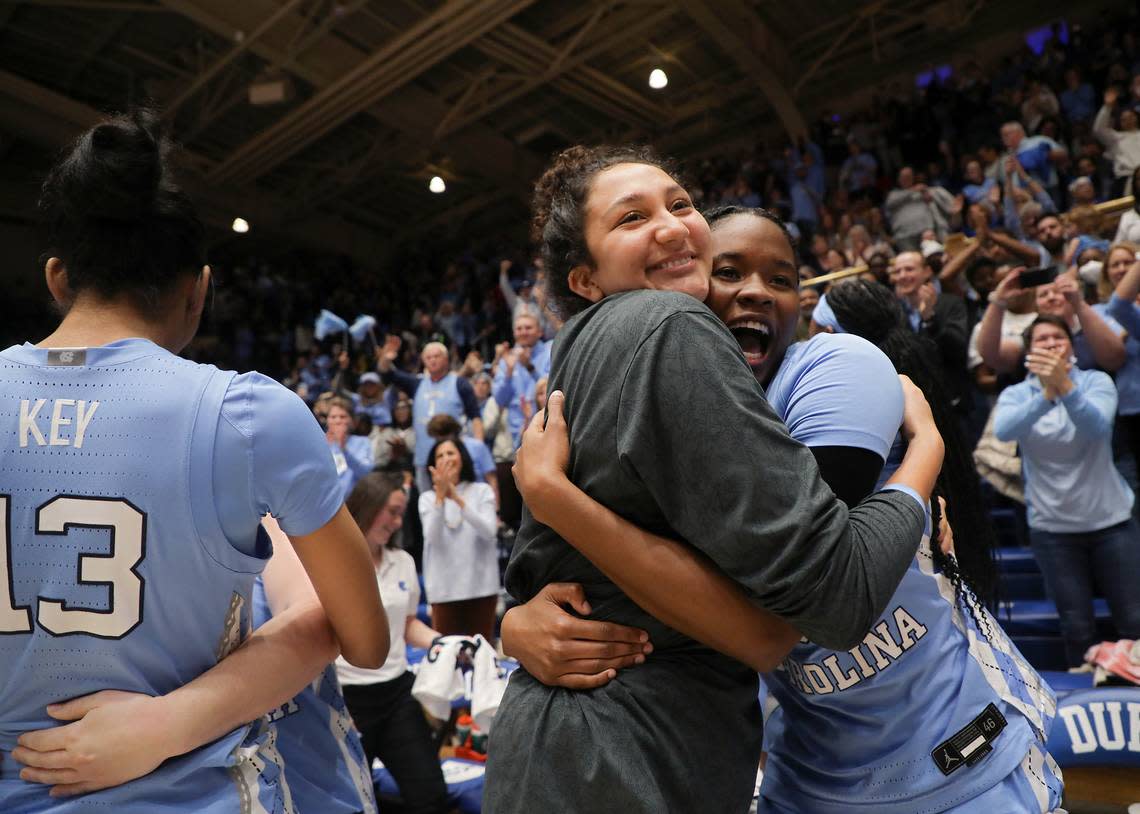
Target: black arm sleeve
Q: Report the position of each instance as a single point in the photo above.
(748, 495)
(851, 472)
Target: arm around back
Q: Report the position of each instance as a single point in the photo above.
(768, 520)
(293, 478)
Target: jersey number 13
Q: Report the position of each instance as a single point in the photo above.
(116, 570)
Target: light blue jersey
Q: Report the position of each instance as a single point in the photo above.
(520, 383)
(1125, 317)
(481, 459)
(873, 728)
(432, 398)
(378, 411)
(128, 559)
(326, 770)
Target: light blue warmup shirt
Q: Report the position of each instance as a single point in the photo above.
(325, 766)
(481, 458)
(1125, 316)
(432, 398)
(132, 483)
(352, 461)
(858, 730)
(379, 411)
(1071, 483)
(507, 390)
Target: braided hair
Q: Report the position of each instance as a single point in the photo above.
(871, 311)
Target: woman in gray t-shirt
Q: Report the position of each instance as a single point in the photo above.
(665, 422)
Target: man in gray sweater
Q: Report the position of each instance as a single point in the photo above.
(913, 208)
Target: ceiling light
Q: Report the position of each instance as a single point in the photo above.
(658, 79)
(436, 184)
(240, 225)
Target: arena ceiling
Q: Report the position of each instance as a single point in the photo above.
(377, 96)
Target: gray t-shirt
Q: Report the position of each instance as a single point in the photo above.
(669, 428)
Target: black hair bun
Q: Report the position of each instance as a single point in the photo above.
(115, 214)
(123, 168)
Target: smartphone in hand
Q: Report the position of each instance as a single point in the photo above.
(1042, 275)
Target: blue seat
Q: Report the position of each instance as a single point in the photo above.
(1038, 617)
(1094, 727)
(1043, 652)
(1008, 526)
(1016, 560)
(1064, 682)
(423, 613)
(1022, 586)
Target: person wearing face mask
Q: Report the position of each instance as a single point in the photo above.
(1097, 344)
(1080, 507)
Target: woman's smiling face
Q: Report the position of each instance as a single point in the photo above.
(642, 231)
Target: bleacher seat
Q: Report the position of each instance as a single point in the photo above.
(1016, 560)
(1064, 682)
(464, 780)
(1097, 728)
(1038, 617)
(1043, 652)
(1022, 586)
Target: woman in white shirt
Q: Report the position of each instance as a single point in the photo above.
(1129, 228)
(461, 564)
(391, 722)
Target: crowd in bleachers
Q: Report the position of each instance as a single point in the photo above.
(941, 190)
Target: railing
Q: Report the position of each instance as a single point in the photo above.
(1106, 209)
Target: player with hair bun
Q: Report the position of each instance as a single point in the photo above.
(132, 483)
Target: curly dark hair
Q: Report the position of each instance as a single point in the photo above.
(558, 222)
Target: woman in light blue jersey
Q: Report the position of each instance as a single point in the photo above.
(118, 736)
(871, 728)
(133, 489)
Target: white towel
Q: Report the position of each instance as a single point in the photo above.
(489, 682)
(439, 682)
(444, 678)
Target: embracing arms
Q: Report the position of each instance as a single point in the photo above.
(116, 736)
